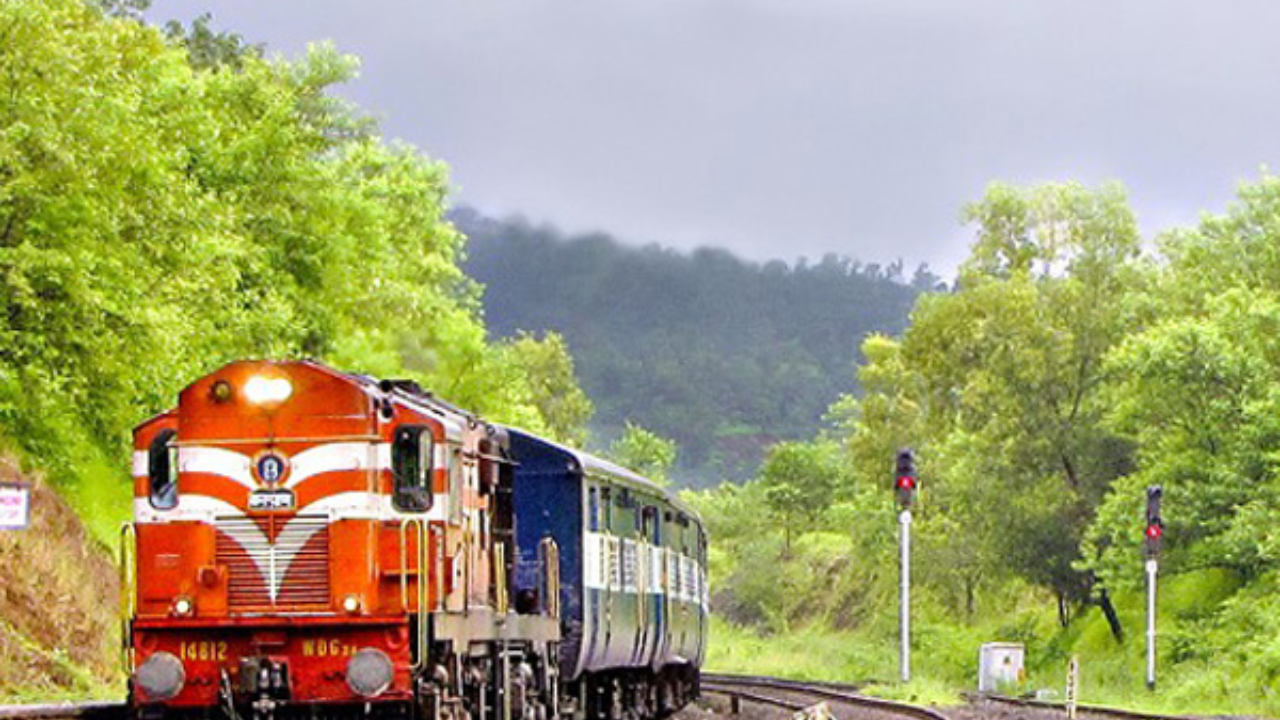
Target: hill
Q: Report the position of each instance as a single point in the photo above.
(723, 355)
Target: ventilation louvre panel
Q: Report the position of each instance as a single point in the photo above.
(296, 565)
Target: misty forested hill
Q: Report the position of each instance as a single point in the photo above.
(722, 355)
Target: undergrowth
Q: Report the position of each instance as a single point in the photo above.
(1219, 651)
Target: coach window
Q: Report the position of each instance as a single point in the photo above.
(162, 470)
(593, 509)
(411, 464)
(606, 506)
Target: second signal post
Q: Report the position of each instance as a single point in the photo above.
(906, 484)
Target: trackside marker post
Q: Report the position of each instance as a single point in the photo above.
(1073, 686)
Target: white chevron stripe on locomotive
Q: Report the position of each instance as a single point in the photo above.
(273, 559)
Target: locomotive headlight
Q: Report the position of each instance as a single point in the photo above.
(369, 673)
(161, 676)
(351, 604)
(183, 606)
(261, 390)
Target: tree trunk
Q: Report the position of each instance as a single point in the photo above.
(1113, 619)
(1070, 470)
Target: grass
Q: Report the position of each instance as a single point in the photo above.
(814, 654)
(1196, 675)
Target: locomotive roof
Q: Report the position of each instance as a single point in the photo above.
(599, 467)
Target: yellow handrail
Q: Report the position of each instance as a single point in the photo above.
(500, 578)
(128, 593)
(405, 524)
(422, 638)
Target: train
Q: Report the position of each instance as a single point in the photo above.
(310, 543)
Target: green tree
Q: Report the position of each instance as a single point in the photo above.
(547, 368)
(1000, 381)
(645, 452)
(208, 48)
(798, 480)
(1196, 392)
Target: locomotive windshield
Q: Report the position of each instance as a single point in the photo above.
(162, 471)
(412, 464)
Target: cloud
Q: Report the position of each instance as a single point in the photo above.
(787, 127)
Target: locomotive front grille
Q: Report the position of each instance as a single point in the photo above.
(271, 562)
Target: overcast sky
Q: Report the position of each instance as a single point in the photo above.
(780, 128)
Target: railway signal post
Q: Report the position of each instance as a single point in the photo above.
(905, 486)
(1152, 535)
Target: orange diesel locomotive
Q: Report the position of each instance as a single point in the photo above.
(308, 542)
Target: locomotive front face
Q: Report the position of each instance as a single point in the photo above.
(284, 514)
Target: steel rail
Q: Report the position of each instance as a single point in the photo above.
(727, 684)
(753, 697)
(1101, 710)
(828, 684)
(49, 711)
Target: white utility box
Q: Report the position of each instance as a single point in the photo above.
(1000, 666)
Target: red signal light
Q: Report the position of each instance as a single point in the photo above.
(905, 484)
(1154, 531)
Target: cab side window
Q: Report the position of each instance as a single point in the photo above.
(412, 453)
(162, 470)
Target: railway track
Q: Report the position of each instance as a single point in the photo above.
(785, 694)
(794, 695)
(1088, 711)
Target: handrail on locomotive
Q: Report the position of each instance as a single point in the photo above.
(422, 634)
(128, 592)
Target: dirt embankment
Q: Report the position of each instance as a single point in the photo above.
(59, 593)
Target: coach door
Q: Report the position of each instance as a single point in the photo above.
(653, 590)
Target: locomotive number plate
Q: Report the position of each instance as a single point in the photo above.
(271, 500)
(204, 650)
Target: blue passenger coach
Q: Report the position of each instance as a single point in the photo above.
(633, 590)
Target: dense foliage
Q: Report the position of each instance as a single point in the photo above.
(172, 201)
(1067, 371)
(721, 355)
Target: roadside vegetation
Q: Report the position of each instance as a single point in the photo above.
(1069, 369)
